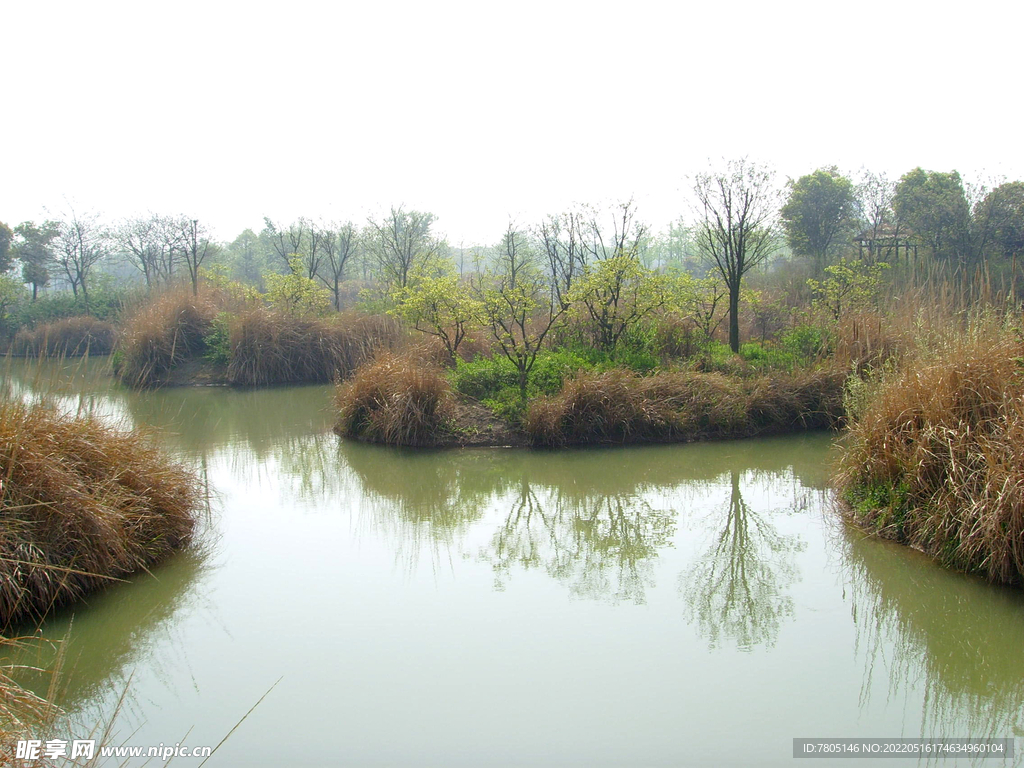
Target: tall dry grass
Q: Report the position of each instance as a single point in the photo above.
(273, 347)
(69, 337)
(935, 452)
(163, 332)
(619, 406)
(82, 503)
(395, 400)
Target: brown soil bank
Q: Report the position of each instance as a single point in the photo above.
(935, 453)
(80, 504)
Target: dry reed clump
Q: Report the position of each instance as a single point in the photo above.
(395, 400)
(162, 333)
(622, 407)
(68, 337)
(81, 503)
(273, 347)
(935, 454)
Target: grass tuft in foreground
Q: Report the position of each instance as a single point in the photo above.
(935, 452)
(395, 400)
(81, 503)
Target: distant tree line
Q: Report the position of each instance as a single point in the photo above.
(603, 264)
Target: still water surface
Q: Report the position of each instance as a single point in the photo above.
(662, 605)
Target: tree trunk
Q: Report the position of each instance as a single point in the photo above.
(734, 317)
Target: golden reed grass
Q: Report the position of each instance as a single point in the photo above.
(82, 503)
(935, 452)
(270, 346)
(69, 337)
(163, 332)
(395, 400)
(623, 407)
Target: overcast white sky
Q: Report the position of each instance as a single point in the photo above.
(477, 111)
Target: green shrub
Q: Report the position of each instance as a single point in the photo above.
(218, 340)
(768, 358)
(805, 342)
(484, 377)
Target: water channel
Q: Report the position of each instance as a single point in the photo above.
(673, 605)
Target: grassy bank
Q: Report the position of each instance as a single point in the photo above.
(69, 337)
(243, 343)
(162, 333)
(620, 406)
(934, 457)
(82, 504)
(407, 400)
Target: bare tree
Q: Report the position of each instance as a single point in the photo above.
(339, 244)
(80, 243)
(401, 241)
(150, 244)
(737, 211)
(288, 242)
(196, 247)
(567, 251)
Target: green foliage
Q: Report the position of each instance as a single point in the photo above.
(806, 342)
(296, 294)
(239, 294)
(615, 294)
(437, 304)
(1002, 210)
(106, 302)
(495, 380)
(819, 207)
(12, 293)
(218, 340)
(768, 358)
(848, 287)
(6, 238)
(886, 504)
(484, 376)
(934, 206)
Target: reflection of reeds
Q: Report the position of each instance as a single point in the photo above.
(954, 636)
(82, 503)
(21, 710)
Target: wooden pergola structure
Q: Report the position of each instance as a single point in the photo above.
(885, 243)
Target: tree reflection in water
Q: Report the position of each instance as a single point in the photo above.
(736, 590)
(954, 637)
(600, 545)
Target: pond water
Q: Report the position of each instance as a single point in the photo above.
(664, 605)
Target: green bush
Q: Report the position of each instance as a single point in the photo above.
(806, 342)
(218, 340)
(483, 377)
(768, 358)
